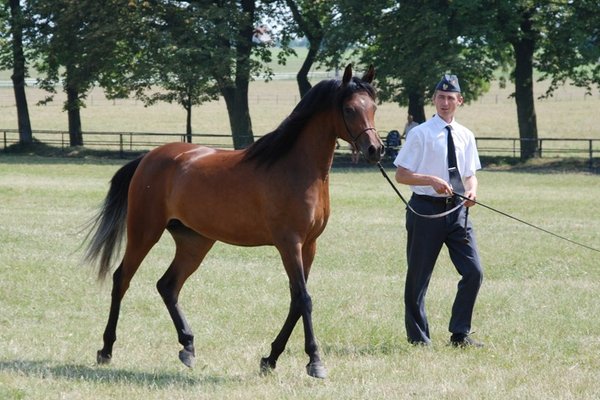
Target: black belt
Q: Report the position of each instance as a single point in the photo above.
(450, 200)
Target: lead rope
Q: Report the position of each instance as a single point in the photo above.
(485, 206)
(428, 216)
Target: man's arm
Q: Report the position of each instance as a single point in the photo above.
(408, 177)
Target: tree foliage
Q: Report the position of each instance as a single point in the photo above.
(559, 39)
(415, 43)
(192, 51)
(170, 56)
(74, 44)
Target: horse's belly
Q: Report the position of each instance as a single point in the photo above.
(221, 209)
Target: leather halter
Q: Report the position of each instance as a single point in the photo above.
(354, 139)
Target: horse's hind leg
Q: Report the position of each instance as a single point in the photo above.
(134, 255)
(190, 251)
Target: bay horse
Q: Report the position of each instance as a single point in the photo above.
(275, 192)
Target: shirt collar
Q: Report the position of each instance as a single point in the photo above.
(441, 124)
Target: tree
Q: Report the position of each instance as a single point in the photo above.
(75, 43)
(414, 44)
(235, 66)
(559, 39)
(311, 18)
(195, 48)
(15, 60)
(331, 28)
(170, 57)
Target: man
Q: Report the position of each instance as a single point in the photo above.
(410, 123)
(435, 175)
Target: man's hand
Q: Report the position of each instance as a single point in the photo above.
(440, 186)
(471, 196)
(471, 190)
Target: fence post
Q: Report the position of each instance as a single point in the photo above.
(591, 155)
(4, 140)
(121, 145)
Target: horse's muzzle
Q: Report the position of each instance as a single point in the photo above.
(374, 153)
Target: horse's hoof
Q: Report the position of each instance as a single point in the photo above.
(265, 366)
(316, 370)
(102, 359)
(187, 358)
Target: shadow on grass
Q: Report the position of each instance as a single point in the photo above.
(104, 374)
(41, 153)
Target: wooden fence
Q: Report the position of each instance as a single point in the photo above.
(124, 142)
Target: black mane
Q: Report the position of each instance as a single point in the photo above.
(321, 98)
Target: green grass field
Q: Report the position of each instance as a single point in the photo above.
(537, 312)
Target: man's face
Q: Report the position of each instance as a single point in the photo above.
(446, 104)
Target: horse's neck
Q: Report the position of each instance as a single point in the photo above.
(316, 145)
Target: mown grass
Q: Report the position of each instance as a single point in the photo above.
(537, 312)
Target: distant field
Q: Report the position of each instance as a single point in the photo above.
(569, 114)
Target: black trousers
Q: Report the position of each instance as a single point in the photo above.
(425, 240)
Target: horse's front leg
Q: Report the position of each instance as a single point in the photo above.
(278, 346)
(297, 264)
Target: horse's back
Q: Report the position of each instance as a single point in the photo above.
(153, 181)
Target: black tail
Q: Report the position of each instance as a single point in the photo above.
(109, 225)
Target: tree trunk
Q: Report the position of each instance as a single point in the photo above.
(18, 76)
(311, 27)
(524, 48)
(302, 77)
(75, 135)
(236, 100)
(236, 95)
(188, 121)
(416, 106)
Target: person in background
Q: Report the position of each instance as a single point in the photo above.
(435, 173)
(410, 123)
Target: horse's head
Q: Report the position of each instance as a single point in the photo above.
(358, 114)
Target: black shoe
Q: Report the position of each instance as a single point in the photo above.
(419, 343)
(464, 340)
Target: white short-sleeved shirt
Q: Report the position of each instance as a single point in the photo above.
(425, 152)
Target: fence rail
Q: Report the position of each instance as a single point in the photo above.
(142, 141)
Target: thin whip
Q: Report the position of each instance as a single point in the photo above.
(489, 208)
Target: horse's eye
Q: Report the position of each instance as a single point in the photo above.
(348, 111)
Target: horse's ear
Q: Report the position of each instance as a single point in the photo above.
(369, 75)
(347, 74)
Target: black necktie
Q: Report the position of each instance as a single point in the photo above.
(455, 181)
